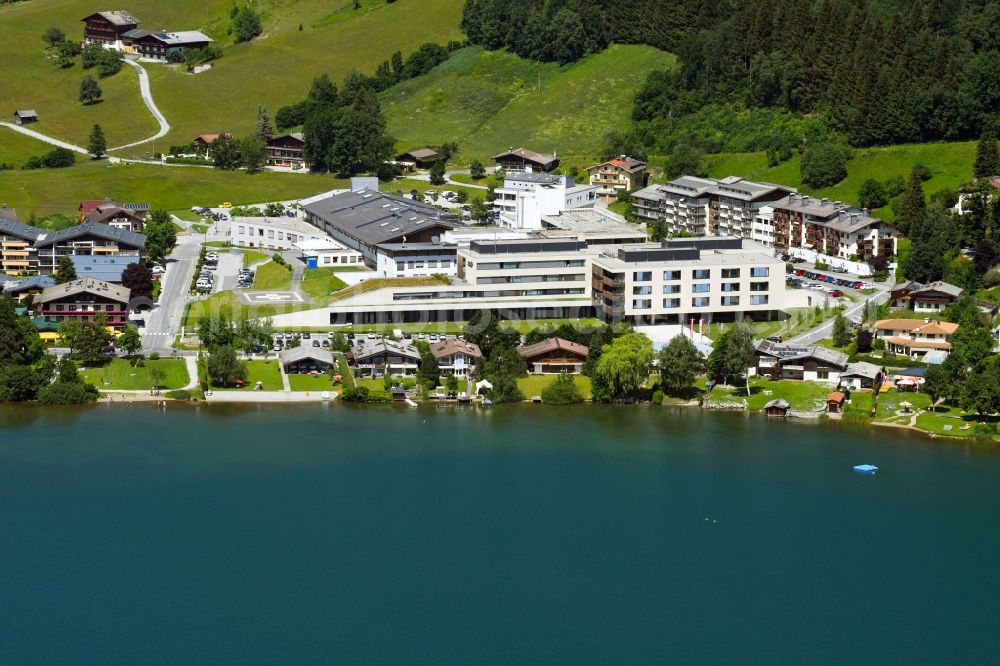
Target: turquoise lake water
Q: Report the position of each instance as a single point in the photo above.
(331, 534)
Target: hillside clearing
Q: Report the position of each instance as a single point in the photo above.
(950, 165)
(488, 101)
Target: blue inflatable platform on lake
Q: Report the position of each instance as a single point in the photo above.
(865, 469)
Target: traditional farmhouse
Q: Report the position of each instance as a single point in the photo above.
(157, 45)
(25, 116)
(379, 357)
(203, 143)
(918, 297)
(553, 356)
(785, 361)
(286, 151)
(619, 174)
(456, 357)
(109, 28)
(305, 360)
(423, 158)
(915, 337)
(84, 300)
(523, 159)
(127, 216)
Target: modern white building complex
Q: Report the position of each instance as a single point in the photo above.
(691, 278)
(709, 279)
(527, 197)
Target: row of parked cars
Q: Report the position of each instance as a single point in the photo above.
(244, 279)
(851, 283)
(206, 279)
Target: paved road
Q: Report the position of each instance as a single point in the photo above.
(55, 142)
(825, 330)
(147, 98)
(165, 320)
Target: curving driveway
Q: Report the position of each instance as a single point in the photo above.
(147, 98)
(48, 139)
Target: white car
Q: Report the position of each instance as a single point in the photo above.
(158, 270)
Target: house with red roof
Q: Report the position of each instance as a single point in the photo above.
(619, 174)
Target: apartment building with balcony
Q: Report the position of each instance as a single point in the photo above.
(832, 228)
(706, 206)
(17, 252)
(708, 279)
(89, 238)
(84, 300)
(619, 174)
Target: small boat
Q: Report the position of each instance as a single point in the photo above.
(865, 469)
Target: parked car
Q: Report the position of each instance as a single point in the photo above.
(225, 204)
(798, 260)
(326, 343)
(372, 336)
(257, 349)
(315, 343)
(775, 338)
(836, 293)
(306, 335)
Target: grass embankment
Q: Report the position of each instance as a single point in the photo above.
(251, 257)
(804, 396)
(532, 385)
(272, 277)
(489, 101)
(375, 284)
(47, 191)
(120, 375)
(322, 382)
(319, 283)
(950, 165)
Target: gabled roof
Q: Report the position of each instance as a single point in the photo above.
(780, 403)
(939, 286)
(26, 113)
(88, 205)
(453, 346)
(108, 212)
(31, 282)
(85, 285)
(116, 17)
(918, 344)
(630, 164)
(423, 154)
(296, 354)
(104, 231)
(552, 344)
(789, 353)
(529, 156)
(836, 396)
(917, 326)
(372, 217)
(209, 138)
(364, 348)
(862, 369)
(298, 136)
(15, 228)
(97, 266)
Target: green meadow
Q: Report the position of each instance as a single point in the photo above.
(488, 101)
(950, 165)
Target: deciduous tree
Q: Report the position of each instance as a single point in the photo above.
(90, 90)
(624, 364)
(680, 364)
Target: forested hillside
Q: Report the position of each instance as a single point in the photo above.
(869, 72)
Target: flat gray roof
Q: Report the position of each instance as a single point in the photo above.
(374, 217)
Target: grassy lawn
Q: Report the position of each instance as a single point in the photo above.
(936, 423)
(47, 191)
(487, 101)
(532, 385)
(313, 383)
(950, 165)
(268, 372)
(282, 62)
(226, 304)
(16, 148)
(186, 214)
(485, 182)
(120, 375)
(285, 60)
(251, 257)
(806, 396)
(318, 283)
(199, 228)
(378, 386)
(272, 277)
